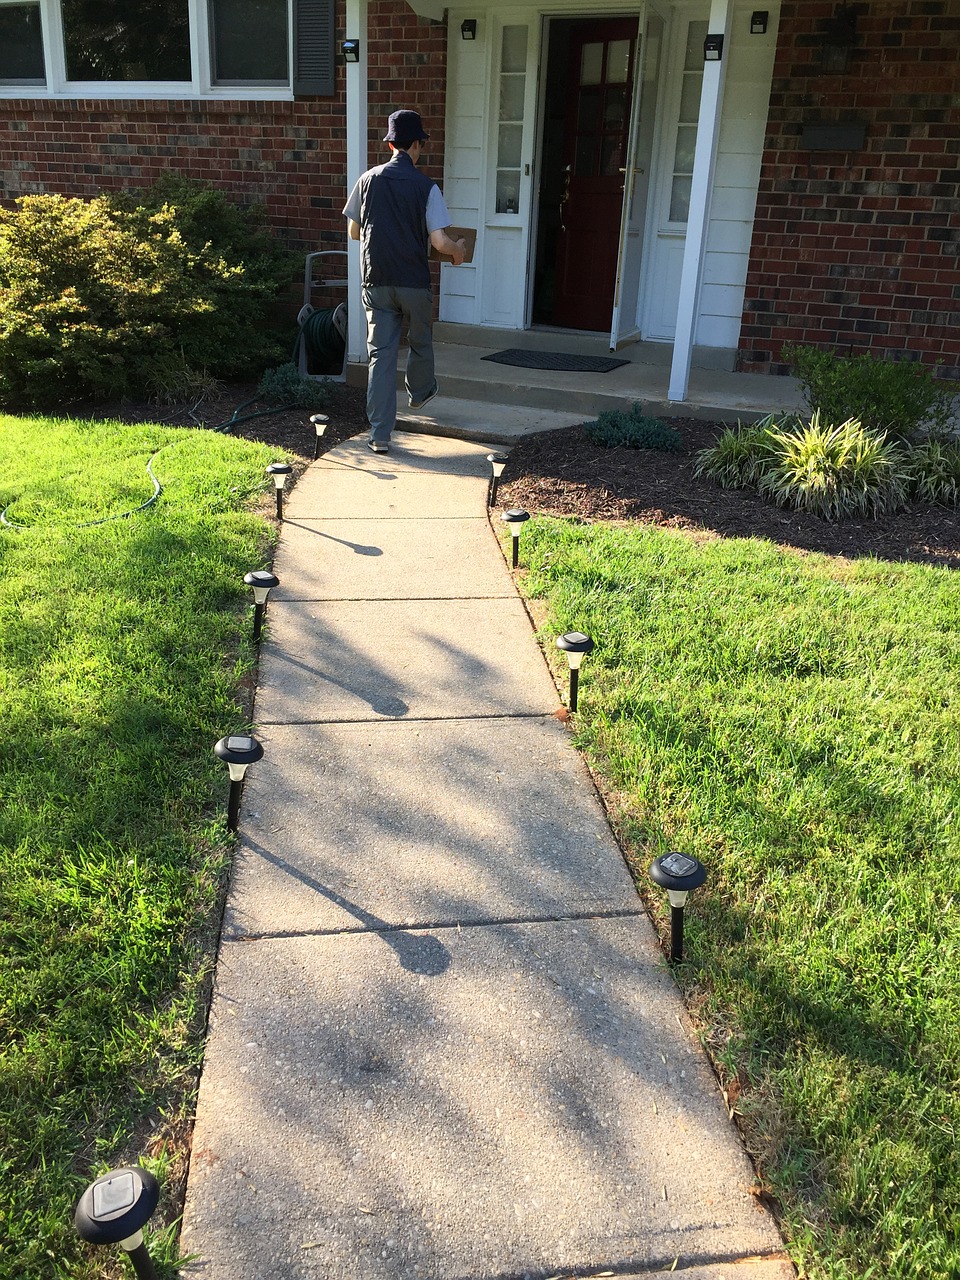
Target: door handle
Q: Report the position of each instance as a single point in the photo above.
(566, 193)
(635, 171)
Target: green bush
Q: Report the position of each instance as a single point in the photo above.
(835, 471)
(934, 473)
(900, 398)
(630, 429)
(132, 295)
(284, 385)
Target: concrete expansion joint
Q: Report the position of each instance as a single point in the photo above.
(437, 926)
(493, 715)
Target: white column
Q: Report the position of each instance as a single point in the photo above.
(356, 164)
(704, 163)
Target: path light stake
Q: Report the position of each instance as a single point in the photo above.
(238, 752)
(115, 1209)
(497, 463)
(678, 873)
(515, 519)
(320, 421)
(262, 583)
(574, 644)
(279, 471)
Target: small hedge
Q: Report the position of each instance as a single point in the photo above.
(133, 295)
(630, 429)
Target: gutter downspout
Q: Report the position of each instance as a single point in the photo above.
(356, 18)
(704, 164)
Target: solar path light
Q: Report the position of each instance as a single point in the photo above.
(262, 582)
(238, 752)
(678, 873)
(515, 519)
(114, 1210)
(279, 471)
(320, 421)
(574, 644)
(497, 463)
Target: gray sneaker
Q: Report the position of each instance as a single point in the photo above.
(377, 446)
(418, 404)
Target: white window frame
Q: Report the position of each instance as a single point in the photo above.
(201, 55)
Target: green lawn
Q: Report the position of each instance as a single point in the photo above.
(794, 721)
(122, 645)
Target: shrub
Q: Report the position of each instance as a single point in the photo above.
(124, 296)
(632, 430)
(740, 455)
(900, 398)
(835, 471)
(284, 385)
(934, 473)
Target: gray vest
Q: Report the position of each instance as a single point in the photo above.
(393, 224)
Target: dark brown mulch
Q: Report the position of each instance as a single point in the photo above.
(562, 473)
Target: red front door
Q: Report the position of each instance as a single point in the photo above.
(600, 79)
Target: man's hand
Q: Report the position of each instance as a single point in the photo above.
(455, 249)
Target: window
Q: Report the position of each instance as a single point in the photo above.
(167, 48)
(686, 140)
(513, 85)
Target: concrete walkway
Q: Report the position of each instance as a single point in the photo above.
(443, 1042)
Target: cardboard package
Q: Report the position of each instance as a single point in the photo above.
(457, 233)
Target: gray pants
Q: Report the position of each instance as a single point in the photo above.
(387, 307)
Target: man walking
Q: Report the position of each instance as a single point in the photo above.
(397, 213)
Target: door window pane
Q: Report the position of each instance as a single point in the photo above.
(618, 61)
(114, 40)
(514, 49)
(249, 41)
(591, 64)
(688, 117)
(511, 145)
(615, 111)
(513, 88)
(21, 45)
(690, 98)
(511, 97)
(680, 199)
(508, 191)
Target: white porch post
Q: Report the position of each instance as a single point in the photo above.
(704, 163)
(356, 164)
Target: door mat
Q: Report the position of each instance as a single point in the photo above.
(555, 360)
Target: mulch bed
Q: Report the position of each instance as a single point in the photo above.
(562, 473)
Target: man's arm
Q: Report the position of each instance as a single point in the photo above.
(455, 249)
(353, 228)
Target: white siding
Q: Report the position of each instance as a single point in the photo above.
(462, 184)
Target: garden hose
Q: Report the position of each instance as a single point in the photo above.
(321, 336)
(89, 524)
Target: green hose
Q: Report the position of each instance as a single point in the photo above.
(322, 341)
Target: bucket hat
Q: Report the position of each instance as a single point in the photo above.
(405, 127)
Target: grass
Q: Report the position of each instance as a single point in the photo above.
(122, 649)
(794, 722)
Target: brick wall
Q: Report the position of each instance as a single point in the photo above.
(860, 250)
(288, 156)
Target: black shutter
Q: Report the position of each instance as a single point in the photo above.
(313, 54)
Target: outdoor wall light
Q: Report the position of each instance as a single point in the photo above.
(238, 752)
(350, 50)
(758, 22)
(497, 463)
(115, 1209)
(262, 583)
(279, 471)
(678, 873)
(574, 644)
(320, 422)
(468, 29)
(713, 48)
(515, 519)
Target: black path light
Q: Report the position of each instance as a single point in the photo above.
(574, 644)
(515, 519)
(262, 582)
(238, 751)
(678, 873)
(320, 422)
(279, 471)
(115, 1209)
(497, 463)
